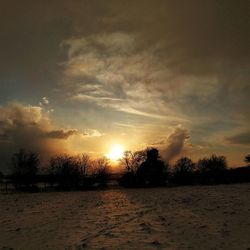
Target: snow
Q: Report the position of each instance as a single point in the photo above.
(195, 217)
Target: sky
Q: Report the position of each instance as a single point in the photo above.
(79, 76)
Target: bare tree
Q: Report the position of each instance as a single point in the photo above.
(24, 168)
(65, 170)
(132, 160)
(85, 164)
(101, 169)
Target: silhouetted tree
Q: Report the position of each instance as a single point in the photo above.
(153, 171)
(78, 171)
(247, 159)
(52, 171)
(101, 171)
(86, 171)
(24, 168)
(85, 164)
(213, 169)
(183, 172)
(65, 170)
(131, 161)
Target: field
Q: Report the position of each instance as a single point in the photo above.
(195, 217)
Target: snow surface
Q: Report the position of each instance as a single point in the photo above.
(197, 217)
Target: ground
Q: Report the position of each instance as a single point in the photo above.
(196, 217)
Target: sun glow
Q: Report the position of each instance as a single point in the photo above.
(116, 152)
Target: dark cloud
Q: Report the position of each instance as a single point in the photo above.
(60, 134)
(241, 138)
(30, 128)
(179, 58)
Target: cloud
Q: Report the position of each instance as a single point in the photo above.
(164, 62)
(174, 143)
(127, 106)
(91, 133)
(60, 134)
(45, 100)
(241, 138)
(29, 127)
(19, 115)
(109, 70)
(117, 71)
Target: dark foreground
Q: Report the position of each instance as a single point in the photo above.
(195, 217)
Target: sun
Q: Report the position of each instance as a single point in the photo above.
(116, 152)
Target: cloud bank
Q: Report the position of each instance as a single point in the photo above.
(30, 128)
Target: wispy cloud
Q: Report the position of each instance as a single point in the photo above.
(242, 138)
(110, 71)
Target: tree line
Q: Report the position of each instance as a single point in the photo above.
(146, 168)
(143, 168)
(63, 172)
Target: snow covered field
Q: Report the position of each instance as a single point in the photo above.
(198, 217)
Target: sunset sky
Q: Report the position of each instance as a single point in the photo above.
(80, 76)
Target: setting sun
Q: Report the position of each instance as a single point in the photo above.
(116, 152)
